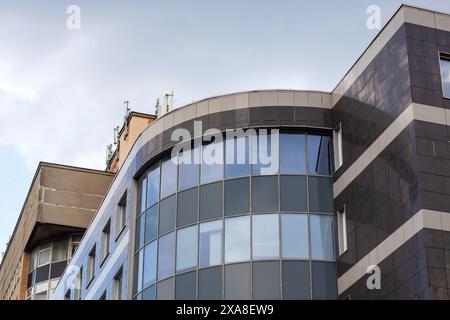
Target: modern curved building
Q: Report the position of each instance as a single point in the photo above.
(345, 181)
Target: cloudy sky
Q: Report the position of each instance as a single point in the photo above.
(62, 91)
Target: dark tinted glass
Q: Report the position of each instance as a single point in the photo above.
(167, 214)
(293, 193)
(151, 224)
(324, 281)
(237, 196)
(266, 280)
(188, 170)
(237, 281)
(264, 194)
(142, 194)
(42, 273)
(292, 153)
(186, 286)
(445, 76)
(57, 269)
(165, 290)
(149, 293)
(210, 284)
(320, 194)
(319, 155)
(296, 284)
(140, 232)
(211, 201)
(187, 207)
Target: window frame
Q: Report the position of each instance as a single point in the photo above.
(121, 214)
(105, 242)
(341, 215)
(117, 285)
(443, 56)
(90, 272)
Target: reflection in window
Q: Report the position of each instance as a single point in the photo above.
(153, 186)
(237, 157)
(189, 170)
(237, 239)
(265, 236)
(210, 243)
(265, 194)
(319, 155)
(142, 194)
(292, 153)
(168, 177)
(166, 256)
(261, 146)
(294, 232)
(211, 201)
(322, 244)
(237, 196)
(320, 194)
(150, 264)
(212, 162)
(445, 74)
(151, 224)
(167, 214)
(140, 232)
(187, 248)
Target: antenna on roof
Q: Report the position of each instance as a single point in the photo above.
(109, 153)
(127, 110)
(116, 135)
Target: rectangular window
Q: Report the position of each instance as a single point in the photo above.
(212, 162)
(211, 243)
(342, 230)
(105, 240)
(292, 153)
(44, 255)
(166, 256)
(151, 223)
(337, 145)
(60, 251)
(295, 235)
(90, 266)
(322, 244)
(265, 237)
(117, 286)
(187, 248)
(237, 157)
(188, 168)
(168, 177)
(150, 264)
(265, 193)
(121, 215)
(319, 155)
(153, 185)
(143, 194)
(445, 74)
(103, 296)
(79, 281)
(237, 239)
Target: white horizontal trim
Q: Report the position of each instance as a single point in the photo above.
(413, 112)
(423, 219)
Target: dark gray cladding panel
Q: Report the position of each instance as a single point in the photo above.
(419, 269)
(374, 100)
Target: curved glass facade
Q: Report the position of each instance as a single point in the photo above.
(47, 263)
(229, 231)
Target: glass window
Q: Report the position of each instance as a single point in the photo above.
(237, 157)
(212, 162)
(33, 259)
(149, 293)
(265, 236)
(337, 147)
(138, 271)
(320, 194)
(166, 256)
(265, 194)
(167, 214)
(121, 215)
(210, 284)
(153, 185)
(445, 74)
(324, 281)
(91, 265)
(210, 243)
(189, 171)
(187, 248)
(266, 281)
(187, 207)
(262, 154)
(151, 223)
(296, 284)
(164, 289)
(105, 240)
(168, 177)
(294, 236)
(237, 239)
(237, 282)
(293, 195)
(237, 196)
(117, 285)
(44, 256)
(211, 201)
(342, 230)
(186, 286)
(59, 252)
(319, 155)
(322, 244)
(292, 153)
(140, 232)
(150, 264)
(143, 194)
